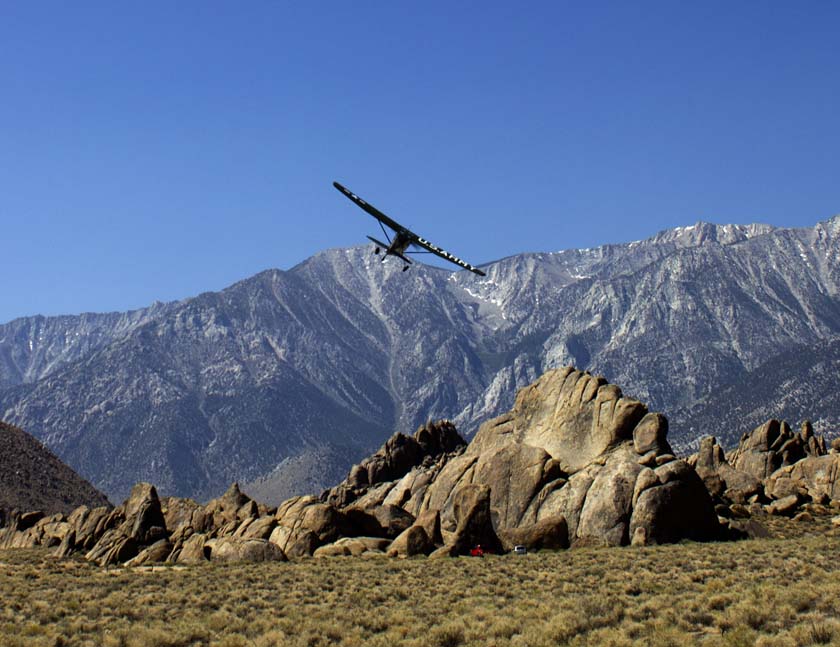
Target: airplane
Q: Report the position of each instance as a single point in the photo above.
(403, 238)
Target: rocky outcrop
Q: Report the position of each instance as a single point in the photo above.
(142, 525)
(813, 478)
(676, 507)
(398, 456)
(573, 462)
(808, 473)
(28, 529)
(106, 535)
(721, 479)
(772, 466)
(233, 507)
(88, 527)
(146, 530)
(573, 456)
(773, 445)
(573, 447)
(179, 512)
(304, 524)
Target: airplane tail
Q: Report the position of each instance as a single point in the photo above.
(379, 243)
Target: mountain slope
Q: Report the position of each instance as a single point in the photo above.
(32, 347)
(330, 357)
(796, 385)
(32, 478)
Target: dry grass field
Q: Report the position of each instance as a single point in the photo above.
(760, 592)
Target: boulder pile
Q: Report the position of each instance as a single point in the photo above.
(774, 470)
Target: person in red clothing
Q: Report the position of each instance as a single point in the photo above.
(478, 551)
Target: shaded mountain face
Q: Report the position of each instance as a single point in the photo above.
(32, 478)
(799, 384)
(256, 382)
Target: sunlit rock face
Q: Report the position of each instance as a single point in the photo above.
(574, 461)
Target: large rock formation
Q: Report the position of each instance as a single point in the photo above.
(432, 444)
(572, 448)
(141, 525)
(27, 529)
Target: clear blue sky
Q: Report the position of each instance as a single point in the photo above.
(159, 150)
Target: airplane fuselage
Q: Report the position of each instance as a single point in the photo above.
(400, 243)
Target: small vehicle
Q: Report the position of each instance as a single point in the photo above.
(520, 549)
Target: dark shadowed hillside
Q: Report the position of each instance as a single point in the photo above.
(32, 478)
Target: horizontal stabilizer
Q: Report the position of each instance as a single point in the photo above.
(379, 242)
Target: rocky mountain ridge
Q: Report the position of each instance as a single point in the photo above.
(332, 356)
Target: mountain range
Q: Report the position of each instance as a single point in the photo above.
(284, 379)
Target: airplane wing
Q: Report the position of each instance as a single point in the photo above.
(415, 239)
(434, 249)
(373, 211)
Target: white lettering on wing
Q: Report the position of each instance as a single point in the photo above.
(444, 253)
